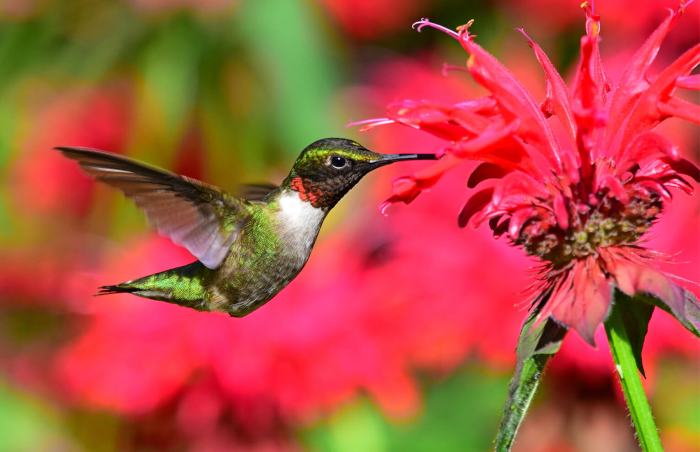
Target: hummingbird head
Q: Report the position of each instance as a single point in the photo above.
(328, 168)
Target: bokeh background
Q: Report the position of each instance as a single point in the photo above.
(400, 332)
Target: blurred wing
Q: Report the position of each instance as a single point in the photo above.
(256, 192)
(193, 214)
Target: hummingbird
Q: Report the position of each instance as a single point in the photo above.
(248, 247)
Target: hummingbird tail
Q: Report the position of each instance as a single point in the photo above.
(119, 288)
(182, 285)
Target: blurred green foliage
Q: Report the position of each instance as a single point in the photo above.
(460, 413)
(27, 423)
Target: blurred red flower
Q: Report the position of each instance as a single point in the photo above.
(579, 192)
(369, 19)
(47, 183)
(344, 325)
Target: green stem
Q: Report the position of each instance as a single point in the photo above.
(636, 399)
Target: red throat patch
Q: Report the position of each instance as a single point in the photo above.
(307, 194)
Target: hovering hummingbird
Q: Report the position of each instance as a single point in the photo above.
(247, 248)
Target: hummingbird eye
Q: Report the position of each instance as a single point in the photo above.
(338, 162)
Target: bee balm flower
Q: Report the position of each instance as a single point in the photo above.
(576, 180)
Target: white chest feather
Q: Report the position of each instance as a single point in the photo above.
(299, 223)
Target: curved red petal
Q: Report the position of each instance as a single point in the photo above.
(560, 211)
(475, 203)
(615, 187)
(647, 144)
(484, 171)
(518, 220)
(684, 166)
(427, 177)
(585, 303)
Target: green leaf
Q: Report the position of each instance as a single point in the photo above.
(170, 66)
(469, 397)
(635, 315)
(25, 46)
(28, 423)
(298, 64)
(677, 396)
(684, 307)
(538, 342)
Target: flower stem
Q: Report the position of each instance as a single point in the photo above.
(637, 404)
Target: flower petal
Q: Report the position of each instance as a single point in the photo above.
(646, 112)
(633, 80)
(486, 171)
(429, 117)
(684, 166)
(515, 100)
(582, 300)
(617, 190)
(474, 204)
(645, 145)
(680, 108)
(560, 211)
(518, 220)
(557, 91)
(407, 188)
(588, 95)
(689, 82)
(497, 144)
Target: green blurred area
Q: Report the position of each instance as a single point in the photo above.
(27, 423)
(459, 413)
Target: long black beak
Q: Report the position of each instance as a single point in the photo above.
(391, 158)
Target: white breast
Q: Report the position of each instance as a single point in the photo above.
(299, 223)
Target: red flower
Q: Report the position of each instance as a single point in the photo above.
(560, 15)
(369, 19)
(576, 180)
(45, 182)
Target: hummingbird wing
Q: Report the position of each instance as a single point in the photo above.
(256, 192)
(198, 216)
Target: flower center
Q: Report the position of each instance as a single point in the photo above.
(600, 222)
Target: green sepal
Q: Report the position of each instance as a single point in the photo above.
(635, 314)
(539, 341)
(687, 311)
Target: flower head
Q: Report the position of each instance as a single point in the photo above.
(575, 180)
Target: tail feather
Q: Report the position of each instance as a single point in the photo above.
(118, 288)
(182, 285)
